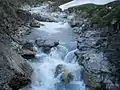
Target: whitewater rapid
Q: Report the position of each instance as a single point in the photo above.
(45, 64)
(44, 71)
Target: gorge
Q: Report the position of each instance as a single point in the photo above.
(36, 37)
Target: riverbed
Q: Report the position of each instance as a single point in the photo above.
(44, 65)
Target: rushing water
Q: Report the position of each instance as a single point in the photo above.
(44, 71)
(44, 66)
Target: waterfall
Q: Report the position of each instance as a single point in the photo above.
(70, 57)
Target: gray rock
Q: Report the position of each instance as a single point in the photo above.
(42, 18)
(28, 50)
(46, 44)
(28, 44)
(13, 66)
(35, 24)
(66, 76)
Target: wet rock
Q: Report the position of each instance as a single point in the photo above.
(46, 49)
(66, 77)
(83, 47)
(76, 30)
(59, 69)
(42, 18)
(28, 56)
(35, 24)
(28, 50)
(43, 43)
(75, 24)
(29, 44)
(46, 44)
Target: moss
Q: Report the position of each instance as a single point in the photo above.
(99, 88)
(101, 14)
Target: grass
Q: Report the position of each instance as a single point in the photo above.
(101, 15)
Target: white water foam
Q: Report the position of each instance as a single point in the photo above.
(53, 27)
(43, 77)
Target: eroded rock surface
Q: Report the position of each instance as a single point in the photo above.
(98, 46)
(11, 66)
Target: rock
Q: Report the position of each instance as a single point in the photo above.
(35, 24)
(76, 29)
(59, 69)
(28, 50)
(46, 44)
(66, 76)
(43, 43)
(19, 81)
(83, 47)
(96, 47)
(56, 43)
(29, 45)
(13, 66)
(42, 18)
(28, 56)
(46, 49)
(75, 24)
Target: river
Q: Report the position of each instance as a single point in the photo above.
(44, 65)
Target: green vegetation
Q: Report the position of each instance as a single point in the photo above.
(101, 14)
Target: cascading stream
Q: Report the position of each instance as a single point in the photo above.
(44, 66)
(44, 70)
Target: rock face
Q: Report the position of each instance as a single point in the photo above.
(98, 45)
(13, 66)
(92, 55)
(15, 72)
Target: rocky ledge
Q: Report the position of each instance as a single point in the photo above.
(98, 28)
(15, 72)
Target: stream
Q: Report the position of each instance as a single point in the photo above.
(45, 64)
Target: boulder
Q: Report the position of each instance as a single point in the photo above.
(59, 69)
(15, 72)
(35, 24)
(18, 81)
(28, 55)
(46, 44)
(66, 76)
(28, 50)
(49, 42)
(28, 44)
(40, 17)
